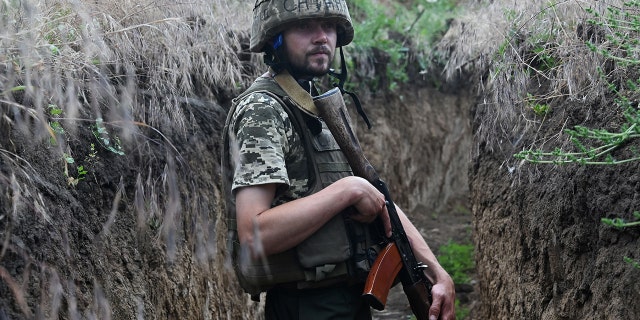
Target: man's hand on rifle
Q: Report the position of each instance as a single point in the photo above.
(443, 297)
(409, 244)
(370, 203)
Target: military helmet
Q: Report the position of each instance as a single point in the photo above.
(271, 16)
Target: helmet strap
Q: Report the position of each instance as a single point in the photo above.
(275, 58)
(342, 77)
(274, 55)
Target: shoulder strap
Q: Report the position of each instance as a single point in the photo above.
(299, 96)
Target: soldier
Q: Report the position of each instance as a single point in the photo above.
(301, 225)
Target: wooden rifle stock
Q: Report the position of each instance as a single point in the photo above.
(397, 258)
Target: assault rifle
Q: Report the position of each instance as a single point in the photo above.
(397, 258)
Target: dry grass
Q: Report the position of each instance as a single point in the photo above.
(131, 63)
(104, 54)
(134, 64)
(502, 44)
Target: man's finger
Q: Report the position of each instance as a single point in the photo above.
(434, 310)
(386, 221)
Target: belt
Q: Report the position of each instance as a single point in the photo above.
(342, 281)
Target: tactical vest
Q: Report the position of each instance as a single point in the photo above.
(342, 250)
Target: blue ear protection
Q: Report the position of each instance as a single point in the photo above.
(277, 43)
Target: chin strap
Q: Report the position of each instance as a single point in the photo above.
(342, 77)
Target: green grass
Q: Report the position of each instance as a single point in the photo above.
(402, 31)
(594, 146)
(620, 27)
(457, 259)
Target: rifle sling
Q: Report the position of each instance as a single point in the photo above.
(299, 96)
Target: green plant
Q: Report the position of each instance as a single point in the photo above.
(60, 30)
(595, 146)
(539, 109)
(395, 31)
(535, 52)
(544, 58)
(623, 40)
(592, 155)
(102, 135)
(634, 263)
(81, 172)
(457, 259)
(461, 311)
(55, 112)
(623, 48)
(621, 224)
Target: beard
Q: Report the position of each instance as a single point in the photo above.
(306, 71)
(310, 66)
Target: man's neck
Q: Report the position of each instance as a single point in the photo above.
(308, 86)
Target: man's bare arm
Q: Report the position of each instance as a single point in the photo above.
(283, 227)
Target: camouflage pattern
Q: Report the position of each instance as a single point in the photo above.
(270, 17)
(270, 140)
(269, 148)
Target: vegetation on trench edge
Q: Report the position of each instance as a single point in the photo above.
(620, 46)
(402, 32)
(60, 41)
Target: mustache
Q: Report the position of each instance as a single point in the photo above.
(321, 49)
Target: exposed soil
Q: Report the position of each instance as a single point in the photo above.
(542, 250)
(136, 238)
(140, 234)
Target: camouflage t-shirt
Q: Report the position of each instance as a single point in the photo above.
(269, 150)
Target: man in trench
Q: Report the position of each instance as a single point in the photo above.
(303, 228)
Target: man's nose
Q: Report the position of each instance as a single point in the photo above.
(320, 35)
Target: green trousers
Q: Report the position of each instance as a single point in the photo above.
(338, 302)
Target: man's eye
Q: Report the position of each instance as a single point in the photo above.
(329, 26)
(302, 26)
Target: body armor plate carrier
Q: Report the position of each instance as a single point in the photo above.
(341, 251)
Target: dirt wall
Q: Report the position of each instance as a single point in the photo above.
(136, 238)
(139, 235)
(542, 251)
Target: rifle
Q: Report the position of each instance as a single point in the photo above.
(397, 258)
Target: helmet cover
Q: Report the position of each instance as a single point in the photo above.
(270, 17)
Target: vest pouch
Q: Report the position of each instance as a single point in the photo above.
(366, 246)
(258, 275)
(331, 164)
(329, 245)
